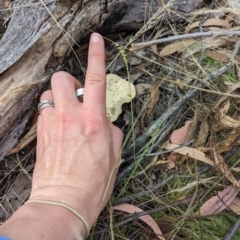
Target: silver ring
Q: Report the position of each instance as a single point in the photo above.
(45, 104)
(79, 94)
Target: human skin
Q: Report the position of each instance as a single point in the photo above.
(78, 155)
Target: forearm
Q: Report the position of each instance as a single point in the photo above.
(36, 221)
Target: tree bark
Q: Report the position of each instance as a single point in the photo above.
(2, 28)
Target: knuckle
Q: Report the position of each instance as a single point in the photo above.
(47, 95)
(118, 132)
(94, 124)
(95, 78)
(64, 120)
(60, 76)
(94, 55)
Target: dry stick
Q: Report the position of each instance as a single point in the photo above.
(233, 230)
(137, 46)
(133, 216)
(170, 150)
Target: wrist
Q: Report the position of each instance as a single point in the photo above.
(47, 222)
(85, 204)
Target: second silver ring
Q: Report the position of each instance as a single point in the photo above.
(79, 94)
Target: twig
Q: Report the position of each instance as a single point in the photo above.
(170, 150)
(233, 230)
(136, 46)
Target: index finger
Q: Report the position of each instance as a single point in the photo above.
(95, 85)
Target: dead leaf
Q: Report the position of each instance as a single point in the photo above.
(167, 227)
(207, 43)
(192, 153)
(224, 108)
(194, 125)
(230, 141)
(223, 98)
(142, 87)
(220, 202)
(203, 133)
(128, 208)
(229, 122)
(157, 35)
(155, 94)
(225, 121)
(119, 91)
(236, 169)
(235, 206)
(210, 22)
(178, 46)
(217, 55)
(178, 137)
(222, 56)
(223, 167)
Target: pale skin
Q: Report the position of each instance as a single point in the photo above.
(78, 155)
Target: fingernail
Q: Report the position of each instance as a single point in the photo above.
(95, 38)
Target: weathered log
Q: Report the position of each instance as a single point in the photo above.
(2, 28)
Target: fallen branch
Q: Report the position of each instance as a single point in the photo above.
(136, 46)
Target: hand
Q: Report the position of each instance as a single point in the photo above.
(78, 148)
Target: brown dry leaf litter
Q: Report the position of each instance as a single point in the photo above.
(223, 167)
(219, 202)
(210, 22)
(191, 153)
(178, 137)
